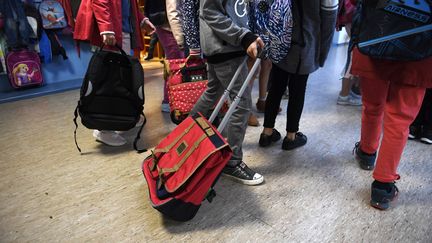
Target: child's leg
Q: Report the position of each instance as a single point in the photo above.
(401, 107)
(279, 79)
(212, 94)
(236, 127)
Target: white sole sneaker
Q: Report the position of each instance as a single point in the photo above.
(141, 121)
(258, 179)
(110, 138)
(349, 101)
(426, 140)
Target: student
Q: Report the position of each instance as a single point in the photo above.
(225, 41)
(313, 29)
(111, 22)
(165, 35)
(392, 94)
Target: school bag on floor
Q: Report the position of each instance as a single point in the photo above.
(24, 68)
(112, 93)
(184, 167)
(387, 19)
(272, 20)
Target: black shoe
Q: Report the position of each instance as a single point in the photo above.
(383, 194)
(426, 136)
(414, 132)
(266, 140)
(148, 58)
(243, 174)
(366, 161)
(300, 140)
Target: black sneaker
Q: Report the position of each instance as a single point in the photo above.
(265, 140)
(366, 161)
(414, 132)
(426, 136)
(300, 140)
(383, 194)
(243, 174)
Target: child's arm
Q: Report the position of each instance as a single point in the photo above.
(102, 13)
(190, 26)
(175, 22)
(214, 14)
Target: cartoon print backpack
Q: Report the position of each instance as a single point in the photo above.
(53, 15)
(24, 68)
(272, 20)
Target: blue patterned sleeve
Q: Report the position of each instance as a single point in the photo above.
(191, 23)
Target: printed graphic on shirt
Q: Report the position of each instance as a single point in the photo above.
(240, 8)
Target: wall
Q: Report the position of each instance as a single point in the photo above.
(59, 75)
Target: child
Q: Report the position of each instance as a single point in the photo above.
(225, 41)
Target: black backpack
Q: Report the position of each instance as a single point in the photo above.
(377, 20)
(112, 93)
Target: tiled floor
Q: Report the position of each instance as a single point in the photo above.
(49, 192)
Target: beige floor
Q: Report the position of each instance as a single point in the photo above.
(51, 193)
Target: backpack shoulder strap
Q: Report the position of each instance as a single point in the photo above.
(138, 136)
(76, 126)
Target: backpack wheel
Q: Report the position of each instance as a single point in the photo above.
(176, 119)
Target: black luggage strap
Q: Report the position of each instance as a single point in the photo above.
(138, 136)
(76, 127)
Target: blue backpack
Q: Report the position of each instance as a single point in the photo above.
(272, 20)
(53, 15)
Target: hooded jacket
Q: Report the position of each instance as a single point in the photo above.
(224, 31)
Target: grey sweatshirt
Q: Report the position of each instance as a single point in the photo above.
(314, 24)
(224, 31)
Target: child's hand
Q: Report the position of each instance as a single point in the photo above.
(109, 39)
(253, 48)
(148, 26)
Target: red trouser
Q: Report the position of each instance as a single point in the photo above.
(391, 107)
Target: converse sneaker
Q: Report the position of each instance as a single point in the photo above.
(383, 194)
(366, 161)
(243, 174)
(110, 138)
